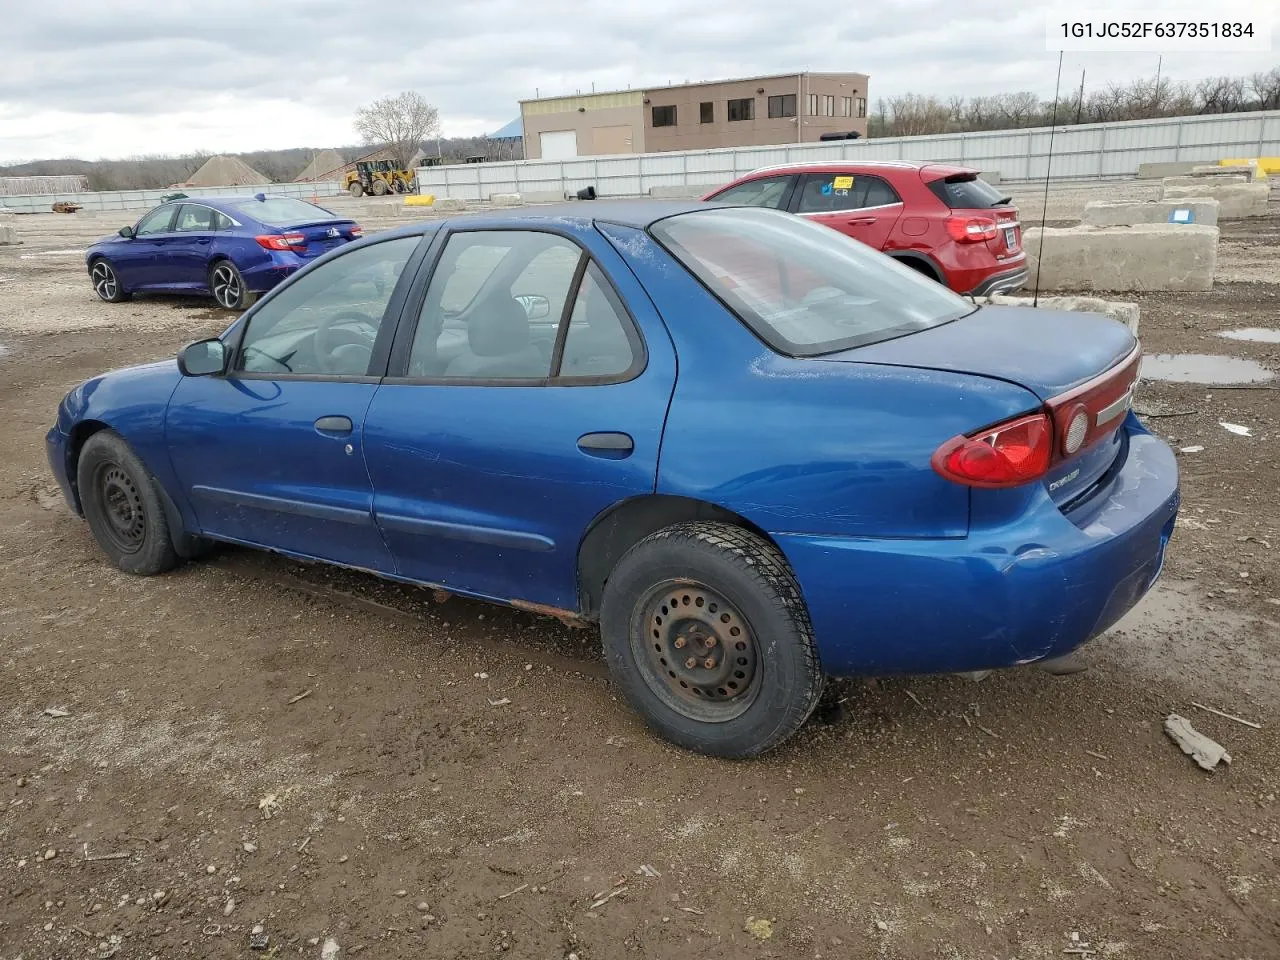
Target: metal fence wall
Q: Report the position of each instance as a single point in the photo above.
(1087, 151)
(145, 199)
(58, 183)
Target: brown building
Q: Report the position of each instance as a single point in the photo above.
(755, 111)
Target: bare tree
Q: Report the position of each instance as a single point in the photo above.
(914, 114)
(1221, 95)
(1266, 89)
(399, 123)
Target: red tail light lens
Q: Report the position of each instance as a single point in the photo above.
(295, 242)
(1006, 455)
(357, 232)
(971, 229)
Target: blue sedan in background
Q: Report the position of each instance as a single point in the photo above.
(230, 248)
(757, 453)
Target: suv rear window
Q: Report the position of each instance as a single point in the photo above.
(282, 211)
(968, 191)
(804, 289)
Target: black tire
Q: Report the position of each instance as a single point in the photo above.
(920, 267)
(106, 283)
(123, 507)
(356, 189)
(761, 683)
(379, 188)
(227, 286)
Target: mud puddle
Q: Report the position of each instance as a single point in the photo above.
(1253, 334)
(1202, 368)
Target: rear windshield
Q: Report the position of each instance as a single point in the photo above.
(968, 192)
(282, 211)
(803, 288)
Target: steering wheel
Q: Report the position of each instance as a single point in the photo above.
(330, 337)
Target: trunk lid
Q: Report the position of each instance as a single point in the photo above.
(1071, 362)
(323, 235)
(969, 196)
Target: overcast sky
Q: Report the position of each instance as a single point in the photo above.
(111, 78)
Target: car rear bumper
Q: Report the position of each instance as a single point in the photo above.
(1034, 588)
(1004, 282)
(263, 276)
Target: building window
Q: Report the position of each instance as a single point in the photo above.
(664, 116)
(812, 106)
(783, 106)
(862, 106)
(744, 109)
(846, 106)
(706, 112)
(827, 107)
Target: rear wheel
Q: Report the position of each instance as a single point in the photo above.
(123, 507)
(228, 287)
(106, 283)
(708, 637)
(356, 189)
(379, 188)
(920, 267)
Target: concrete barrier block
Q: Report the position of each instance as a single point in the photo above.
(1122, 310)
(690, 191)
(546, 196)
(1193, 181)
(1114, 213)
(1158, 171)
(1250, 171)
(991, 176)
(7, 234)
(448, 205)
(506, 200)
(1146, 257)
(1235, 200)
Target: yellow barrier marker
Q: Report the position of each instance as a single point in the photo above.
(423, 200)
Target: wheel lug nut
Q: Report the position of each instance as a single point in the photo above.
(710, 641)
(691, 662)
(709, 662)
(680, 642)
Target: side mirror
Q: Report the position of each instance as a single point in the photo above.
(535, 307)
(126, 232)
(202, 358)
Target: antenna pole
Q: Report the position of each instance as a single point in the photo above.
(1048, 164)
(1080, 98)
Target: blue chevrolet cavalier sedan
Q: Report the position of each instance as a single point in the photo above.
(756, 453)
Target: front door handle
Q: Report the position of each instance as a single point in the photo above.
(862, 221)
(334, 426)
(612, 445)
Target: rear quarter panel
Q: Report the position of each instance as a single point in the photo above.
(806, 446)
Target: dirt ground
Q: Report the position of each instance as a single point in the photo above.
(250, 741)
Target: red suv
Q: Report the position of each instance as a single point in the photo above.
(942, 220)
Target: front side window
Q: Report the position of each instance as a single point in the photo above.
(743, 109)
(664, 116)
(761, 192)
(157, 221)
(834, 192)
(193, 218)
(327, 321)
(803, 288)
(782, 106)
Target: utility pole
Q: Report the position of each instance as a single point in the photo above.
(1155, 94)
(1080, 98)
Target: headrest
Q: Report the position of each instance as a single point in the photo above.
(497, 327)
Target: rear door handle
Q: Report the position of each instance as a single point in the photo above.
(862, 221)
(334, 426)
(613, 445)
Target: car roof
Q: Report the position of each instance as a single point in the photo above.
(628, 213)
(224, 202)
(927, 169)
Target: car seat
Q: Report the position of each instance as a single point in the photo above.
(498, 344)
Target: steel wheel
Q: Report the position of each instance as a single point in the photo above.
(122, 507)
(105, 282)
(697, 652)
(226, 286)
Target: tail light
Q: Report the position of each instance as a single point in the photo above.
(1006, 455)
(295, 242)
(357, 232)
(971, 229)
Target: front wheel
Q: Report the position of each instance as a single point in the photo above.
(707, 635)
(228, 287)
(123, 507)
(379, 188)
(106, 282)
(356, 189)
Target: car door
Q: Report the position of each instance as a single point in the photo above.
(135, 259)
(188, 247)
(861, 206)
(271, 453)
(498, 438)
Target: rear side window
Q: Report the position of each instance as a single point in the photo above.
(761, 192)
(968, 192)
(282, 211)
(833, 192)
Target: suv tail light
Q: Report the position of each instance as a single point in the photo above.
(357, 232)
(1006, 455)
(971, 229)
(295, 242)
